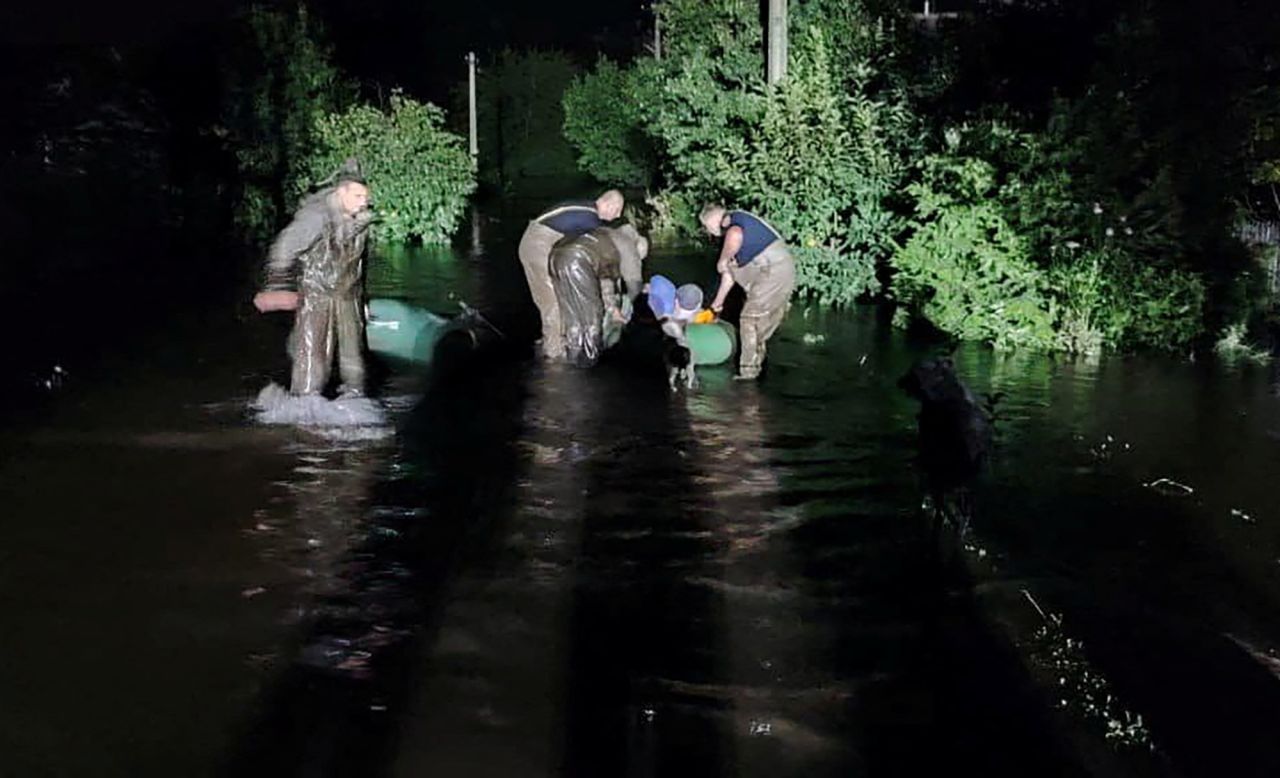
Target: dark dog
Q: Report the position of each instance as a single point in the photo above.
(679, 364)
(955, 437)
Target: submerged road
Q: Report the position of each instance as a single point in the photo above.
(534, 570)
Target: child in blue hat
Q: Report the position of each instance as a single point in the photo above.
(674, 308)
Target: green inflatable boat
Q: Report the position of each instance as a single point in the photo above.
(712, 343)
(401, 331)
(408, 333)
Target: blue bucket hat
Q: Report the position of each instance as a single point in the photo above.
(689, 297)
(662, 296)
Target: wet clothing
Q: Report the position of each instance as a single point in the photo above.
(757, 235)
(572, 217)
(586, 271)
(768, 280)
(321, 256)
(535, 253)
(576, 218)
(568, 219)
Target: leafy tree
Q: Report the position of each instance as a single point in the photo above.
(519, 114)
(420, 174)
(819, 155)
(604, 117)
(279, 79)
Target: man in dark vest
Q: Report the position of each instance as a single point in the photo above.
(585, 272)
(754, 256)
(568, 219)
(316, 267)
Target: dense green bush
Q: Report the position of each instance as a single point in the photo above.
(519, 117)
(965, 269)
(419, 173)
(1064, 228)
(818, 155)
(1001, 252)
(604, 113)
(279, 79)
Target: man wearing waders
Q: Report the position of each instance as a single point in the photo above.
(566, 220)
(316, 267)
(585, 272)
(754, 257)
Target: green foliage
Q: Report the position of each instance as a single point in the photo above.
(726, 32)
(823, 168)
(819, 155)
(604, 113)
(1001, 252)
(965, 268)
(519, 116)
(419, 173)
(668, 215)
(279, 79)
(1233, 347)
(1077, 236)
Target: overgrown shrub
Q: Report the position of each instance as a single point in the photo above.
(1006, 202)
(818, 155)
(965, 269)
(519, 117)
(604, 112)
(1233, 347)
(279, 79)
(419, 173)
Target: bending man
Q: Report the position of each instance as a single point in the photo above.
(566, 220)
(585, 271)
(316, 267)
(675, 309)
(754, 257)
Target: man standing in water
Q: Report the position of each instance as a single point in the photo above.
(755, 257)
(586, 271)
(316, 267)
(568, 219)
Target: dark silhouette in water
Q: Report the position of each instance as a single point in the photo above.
(680, 367)
(955, 438)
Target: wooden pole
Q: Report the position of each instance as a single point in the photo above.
(471, 62)
(657, 32)
(777, 53)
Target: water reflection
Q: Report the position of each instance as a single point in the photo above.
(549, 571)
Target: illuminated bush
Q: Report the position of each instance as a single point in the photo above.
(419, 173)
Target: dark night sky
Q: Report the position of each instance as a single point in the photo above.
(421, 45)
(418, 44)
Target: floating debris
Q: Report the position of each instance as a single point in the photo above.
(813, 339)
(1170, 487)
(1083, 690)
(1108, 448)
(761, 728)
(1242, 516)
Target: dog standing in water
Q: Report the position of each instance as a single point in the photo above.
(679, 362)
(675, 309)
(955, 437)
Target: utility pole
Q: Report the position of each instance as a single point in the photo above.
(471, 61)
(655, 48)
(657, 31)
(930, 17)
(777, 59)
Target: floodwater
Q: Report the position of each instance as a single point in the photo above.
(534, 570)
